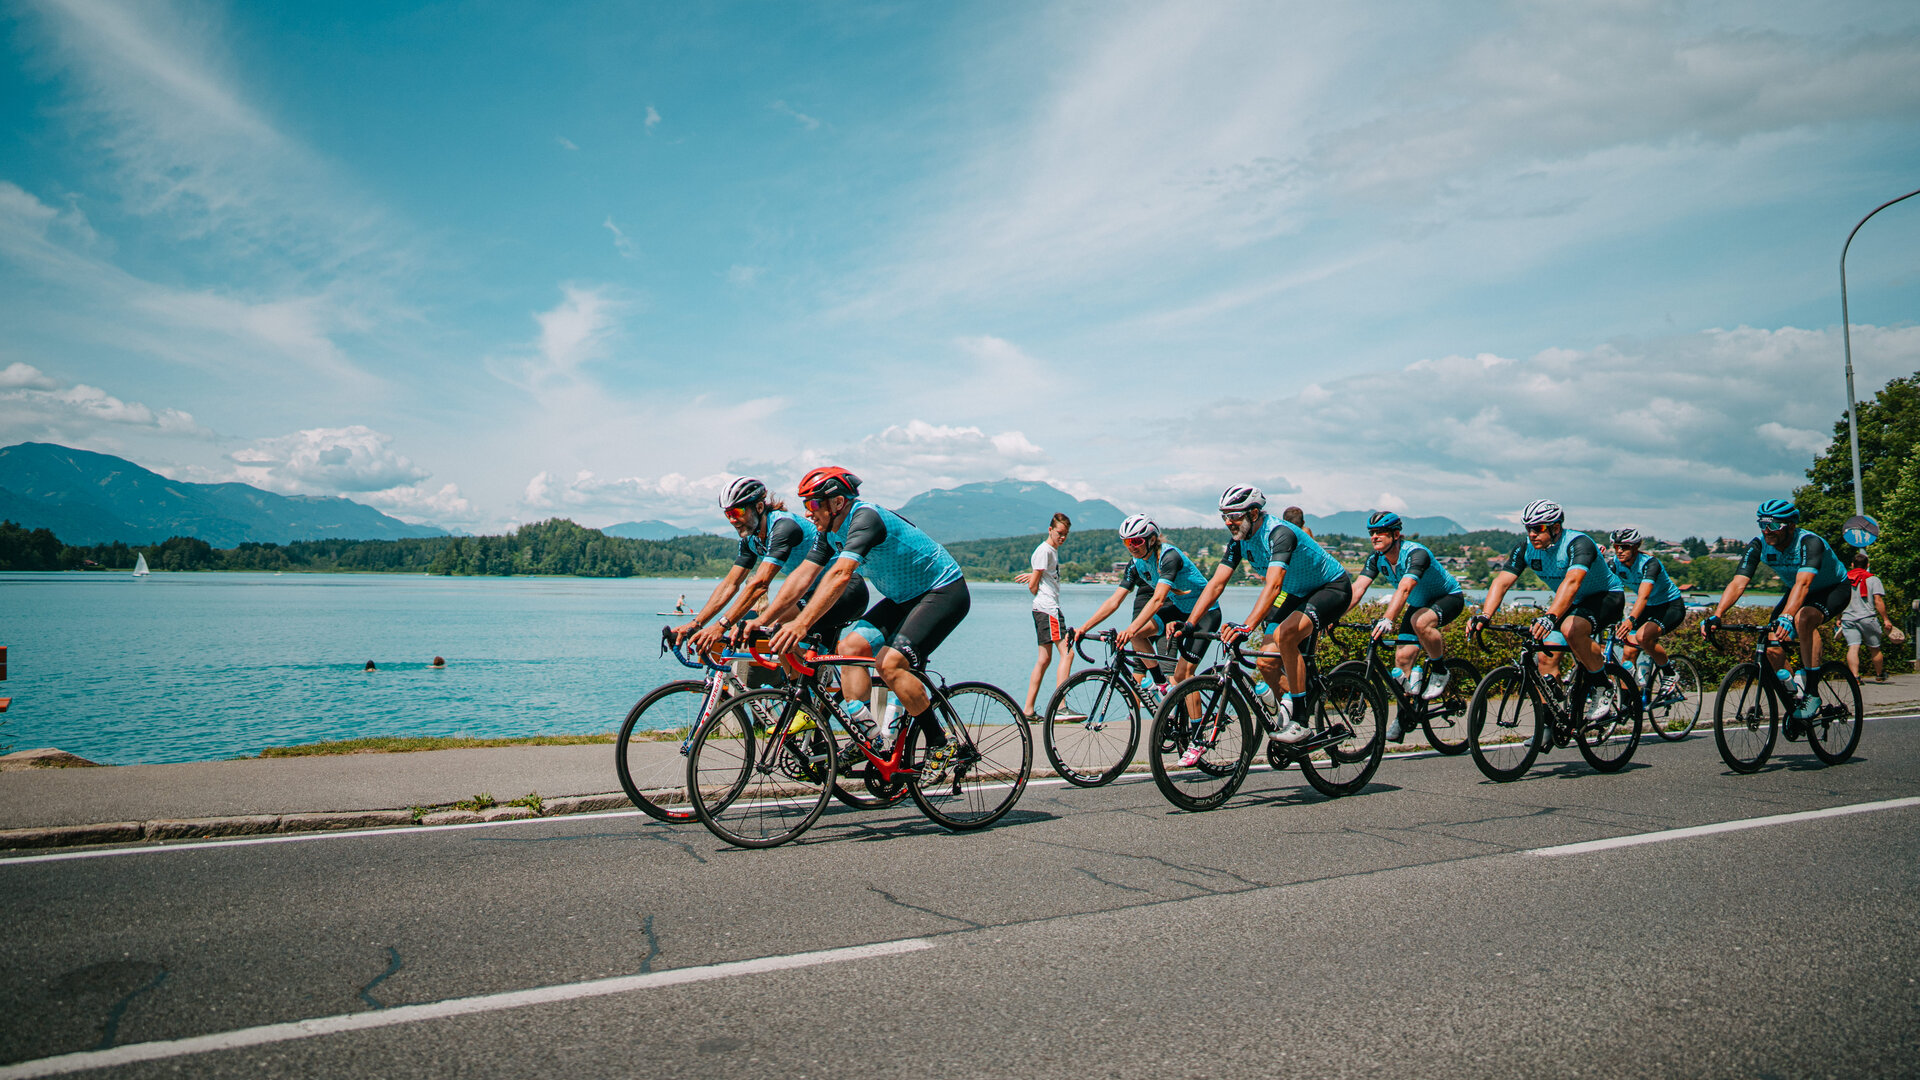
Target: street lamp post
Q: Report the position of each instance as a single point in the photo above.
(1846, 336)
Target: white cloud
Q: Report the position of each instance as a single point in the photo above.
(653, 119)
(36, 406)
(333, 461)
(744, 276)
(572, 333)
(444, 506)
(620, 242)
(605, 501)
(799, 117)
(564, 142)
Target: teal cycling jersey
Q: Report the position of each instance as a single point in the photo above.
(1281, 543)
(893, 554)
(1431, 581)
(788, 539)
(1642, 568)
(1573, 550)
(1183, 579)
(1805, 553)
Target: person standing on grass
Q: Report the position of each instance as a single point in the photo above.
(1043, 581)
(1865, 617)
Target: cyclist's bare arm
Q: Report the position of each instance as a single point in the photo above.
(1360, 587)
(1728, 597)
(1497, 591)
(787, 601)
(831, 586)
(1397, 603)
(1797, 596)
(1107, 607)
(751, 594)
(1562, 601)
(1269, 590)
(1214, 587)
(1142, 626)
(715, 601)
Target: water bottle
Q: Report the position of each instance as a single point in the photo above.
(1399, 678)
(1785, 675)
(860, 719)
(887, 719)
(1267, 696)
(1416, 678)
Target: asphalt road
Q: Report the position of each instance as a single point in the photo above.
(1401, 932)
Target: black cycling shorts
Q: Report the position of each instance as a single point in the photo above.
(916, 627)
(1448, 608)
(1601, 610)
(1831, 600)
(1324, 605)
(1191, 649)
(1669, 615)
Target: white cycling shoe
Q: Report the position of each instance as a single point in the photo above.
(1436, 684)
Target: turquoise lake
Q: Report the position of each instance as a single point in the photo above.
(195, 667)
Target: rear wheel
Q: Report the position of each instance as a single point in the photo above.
(760, 770)
(1673, 713)
(1503, 724)
(1092, 728)
(1609, 744)
(1746, 719)
(1207, 710)
(650, 752)
(1446, 719)
(1344, 767)
(1833, 734)
(992, 758)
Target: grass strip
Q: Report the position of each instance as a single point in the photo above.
(402, 744)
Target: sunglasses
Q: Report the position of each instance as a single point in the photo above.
(816, 504)
(1138, 542)
(1538, 528)
(737, 514)
(1233, 515)
(1773, 524)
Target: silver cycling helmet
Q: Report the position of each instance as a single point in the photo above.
(1138, 527)
(1542, 512)
(1240, 498)
(1627, 537)
(742, 492)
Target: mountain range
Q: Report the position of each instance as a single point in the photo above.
(998, 508)
(89, 498)
(650, 529)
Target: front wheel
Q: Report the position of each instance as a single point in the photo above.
(1092, 728)
(1746, 719)
(1608, 743)
(1504, 724)
(1674, 709)
(992, 756)
(1205, 710)
(650, 752)
(1446, 716)
(1833, 734)
(760, 770)
(1344, 767)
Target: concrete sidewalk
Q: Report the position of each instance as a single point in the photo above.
(59, 807)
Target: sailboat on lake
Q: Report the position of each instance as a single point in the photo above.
(140, 566)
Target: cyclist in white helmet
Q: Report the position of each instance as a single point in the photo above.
(1303, 591)
(1586, 595)
(1424, 591)
(1175, 583)
(1655, 608)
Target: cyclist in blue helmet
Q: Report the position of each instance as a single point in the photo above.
(1427, 594)
(1816, 590)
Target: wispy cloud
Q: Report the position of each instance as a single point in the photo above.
(653, 119)
(744, 276)
(620, 241)
(798, 117)
(37, 406)
(564, 143)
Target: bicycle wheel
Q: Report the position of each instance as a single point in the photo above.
(1746, 718)
(1446, 719)
(1504, 723)
(650, 752)
(1208, 710)
(1609, 744)
(1092, 728)
(1344, 767)
(760, 770)
(1673, 715)
(993, 756)
(1834, 733)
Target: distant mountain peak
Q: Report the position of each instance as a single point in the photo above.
(989, 509)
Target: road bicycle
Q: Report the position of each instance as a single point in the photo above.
(1753, 698)
(1670, 713)
(1518, 714)
(1092, 725)
(761, 767)
(1216, 709)
(1444, 719)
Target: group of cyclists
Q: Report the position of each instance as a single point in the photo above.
(845, 547)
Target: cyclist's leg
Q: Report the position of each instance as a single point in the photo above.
(836, 628)
(1153, 666)
(1426, 624)
(1821, 606)
(1193, 650)
(928, 619)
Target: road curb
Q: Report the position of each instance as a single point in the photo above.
(132, 832)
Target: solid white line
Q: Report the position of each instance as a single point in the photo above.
(410, 1014)
(1721, 827)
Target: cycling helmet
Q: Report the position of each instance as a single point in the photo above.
(1775, 513)
(742, 492)
(1241, 497)
(1385, 520)
(1542, 512)
(1627, 537)
(828, 481)
(1138, 527)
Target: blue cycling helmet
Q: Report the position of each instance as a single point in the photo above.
(1383, 520)
(1777, 513)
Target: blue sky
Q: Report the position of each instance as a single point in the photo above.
(482, 263)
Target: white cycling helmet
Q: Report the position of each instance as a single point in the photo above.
(1241, 497)
(742, 492)
(1627, 537)
(1542, 512)
(1138, 527)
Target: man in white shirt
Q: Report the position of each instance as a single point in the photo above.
(1044, 582)
(1865, 616)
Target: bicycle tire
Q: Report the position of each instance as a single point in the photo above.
(1504, 726)
(1833, 735)
(1746, 732)
(656, 780)
(1224, 769)
(1348, 699)
(1675, 720)
(752, 796)
(1609, 744)
(1096, 748)
(1445, 720)
(994, 763)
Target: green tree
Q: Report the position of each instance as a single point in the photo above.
(1896, 557)
(1889, 431)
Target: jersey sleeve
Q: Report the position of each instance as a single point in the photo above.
(1750, 562)
(1374, 565)
(1813, 554)
(1517, 562)
(1169, 567)
(746, 558)
(1583, 552)
(783, 536)
(1231, 556)
(1130, 577)
(1280, 546)
(1418, 563)
(865, 531)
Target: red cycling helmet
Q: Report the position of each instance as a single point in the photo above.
(827, 481)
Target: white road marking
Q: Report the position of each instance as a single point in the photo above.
(1720, 827)
(411, 1014)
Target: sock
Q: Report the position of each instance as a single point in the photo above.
(936, 738)
(1296, 704)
